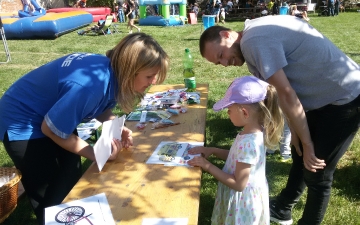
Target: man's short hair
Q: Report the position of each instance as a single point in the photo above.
(211, 34)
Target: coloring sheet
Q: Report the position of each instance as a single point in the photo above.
(91, 210)
(172, 153)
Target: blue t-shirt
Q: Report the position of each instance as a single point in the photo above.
(65, 92)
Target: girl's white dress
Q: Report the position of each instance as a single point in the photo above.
(251, 206)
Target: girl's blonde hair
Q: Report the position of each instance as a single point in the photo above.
(134, 53)
(271, 117)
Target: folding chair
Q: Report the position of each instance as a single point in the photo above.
(7, 52)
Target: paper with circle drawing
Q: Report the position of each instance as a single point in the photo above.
(91, 210)
(102, 148)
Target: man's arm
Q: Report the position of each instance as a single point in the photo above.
(292, 108)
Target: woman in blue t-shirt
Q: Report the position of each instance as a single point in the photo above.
(39, 113)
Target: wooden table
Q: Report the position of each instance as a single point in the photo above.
(136, 190)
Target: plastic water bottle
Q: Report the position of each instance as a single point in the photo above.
(189, 75)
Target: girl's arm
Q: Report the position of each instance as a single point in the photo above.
(236, 182)
(208, 151)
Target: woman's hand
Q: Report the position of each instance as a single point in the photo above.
(116, 146)
(126, 138)
(204, 151)
(201, 162)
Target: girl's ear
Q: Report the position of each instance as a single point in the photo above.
(245, 112)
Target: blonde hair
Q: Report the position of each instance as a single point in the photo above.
(271, 117)
(134, 53)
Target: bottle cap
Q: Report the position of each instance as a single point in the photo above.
(187, 50)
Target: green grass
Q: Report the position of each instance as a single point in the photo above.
(343, 30)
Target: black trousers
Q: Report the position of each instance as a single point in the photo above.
(332, 129)
(49, 172)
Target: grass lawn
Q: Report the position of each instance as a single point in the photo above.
(344, 31)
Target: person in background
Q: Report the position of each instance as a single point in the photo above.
(215, 9)
(318, 93)
(336, 7)
(131, 15)
(222, 15)
(229, 6)
(330, 4)
(243, 195)
(80, 4)
(284, 145)
(300, 14)
(195, 9)
(275, 8)
(39, 113)
(120, 11)
(270, 6)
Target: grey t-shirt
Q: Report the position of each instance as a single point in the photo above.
(318, 71)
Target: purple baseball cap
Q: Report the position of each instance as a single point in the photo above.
(243, 90)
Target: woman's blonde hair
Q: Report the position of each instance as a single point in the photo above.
(271, 117)
(134, 53)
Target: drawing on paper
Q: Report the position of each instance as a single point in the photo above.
(71, 215)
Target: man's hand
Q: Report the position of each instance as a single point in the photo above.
(311, 162)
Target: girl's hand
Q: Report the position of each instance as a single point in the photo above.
(126, 138)
(116, 147)
(200, 161)
(204, 151)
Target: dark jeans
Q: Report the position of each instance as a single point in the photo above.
(49, 172)
(332, 129)
(331, 9)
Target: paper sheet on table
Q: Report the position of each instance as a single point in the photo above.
(102, 148)
(91, 210)
(178, 151)
(165, 221)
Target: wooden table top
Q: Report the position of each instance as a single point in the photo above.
(136, 190)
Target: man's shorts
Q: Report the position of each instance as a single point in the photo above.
(216, 11)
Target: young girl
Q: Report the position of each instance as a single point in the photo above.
(222, 15)
(242, 196)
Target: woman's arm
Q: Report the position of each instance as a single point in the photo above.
(105, 116)
(73, 143)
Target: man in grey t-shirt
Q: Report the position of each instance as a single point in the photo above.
(318, 88)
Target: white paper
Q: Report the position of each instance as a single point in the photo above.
(91, 210)
(178, 150)
(102, 148)
(165, 221)
(143, 117)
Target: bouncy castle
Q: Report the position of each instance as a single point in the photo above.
(166, 8)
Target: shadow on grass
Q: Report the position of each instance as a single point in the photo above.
(346, 180)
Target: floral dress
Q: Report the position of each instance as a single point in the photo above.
(251, 206)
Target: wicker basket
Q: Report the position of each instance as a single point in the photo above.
(8, 192)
